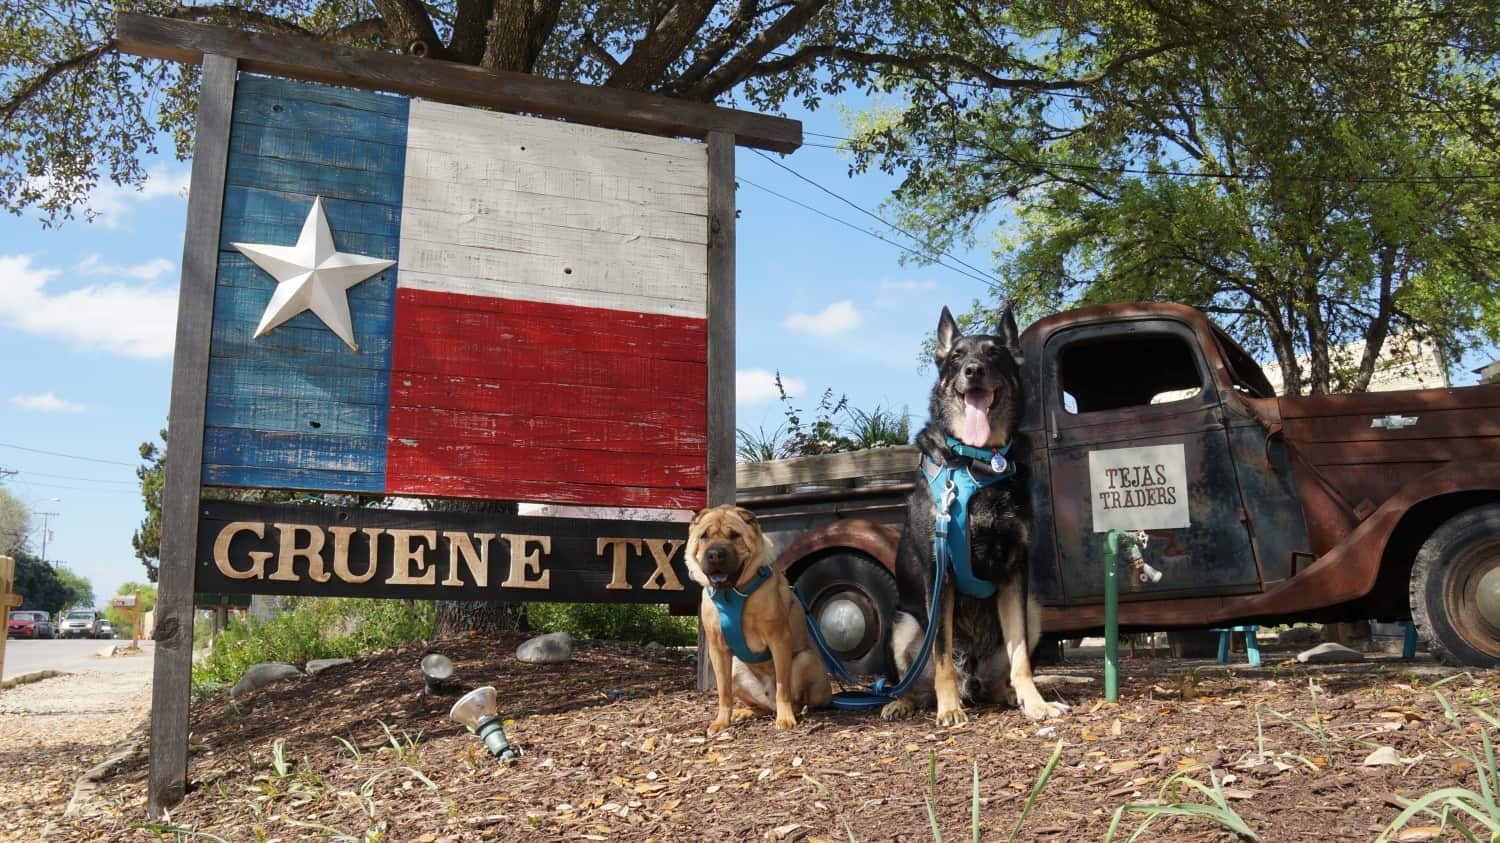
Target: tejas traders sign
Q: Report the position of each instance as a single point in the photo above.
(423, 299)
(312, 550)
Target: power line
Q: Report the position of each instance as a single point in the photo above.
(993, 281)
(69, 477)
(65, 456)
(980, 158)
(903, 247)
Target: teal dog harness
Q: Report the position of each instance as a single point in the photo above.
(951, 488)
(731, 605)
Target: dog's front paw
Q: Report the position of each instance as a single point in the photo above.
(720, 724)
(786, 721)
(1040, 709)
(898, 709)
(742, 714)
(952, 717)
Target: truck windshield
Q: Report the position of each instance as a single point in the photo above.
(80, 616)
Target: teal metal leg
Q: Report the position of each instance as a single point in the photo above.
(1409, 647)
(1225, 636)
(1252, 646)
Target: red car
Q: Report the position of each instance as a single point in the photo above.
(25, 623)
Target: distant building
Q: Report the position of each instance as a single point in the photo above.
(1489, 373)
(1404, 363)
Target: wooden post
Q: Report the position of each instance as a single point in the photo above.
(173, 670)
(8, 601)
(721, 421)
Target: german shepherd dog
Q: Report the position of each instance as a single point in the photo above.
(727, 550)
(976, 402)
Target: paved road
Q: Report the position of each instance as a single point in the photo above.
(72, 655)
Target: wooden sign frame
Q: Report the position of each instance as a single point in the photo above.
(223, 53)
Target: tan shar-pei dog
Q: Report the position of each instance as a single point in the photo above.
(755, 627)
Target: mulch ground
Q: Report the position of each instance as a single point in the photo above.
(616, 748)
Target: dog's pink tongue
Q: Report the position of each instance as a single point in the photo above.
(976, 427)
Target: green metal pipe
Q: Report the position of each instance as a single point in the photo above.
(1111, 616)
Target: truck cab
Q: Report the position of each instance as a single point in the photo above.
(1146, 426)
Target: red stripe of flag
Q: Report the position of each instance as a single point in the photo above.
(525, 400)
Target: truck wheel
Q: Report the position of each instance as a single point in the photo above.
(853, 600)
(1455, 588)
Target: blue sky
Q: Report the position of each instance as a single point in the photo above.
(87, 316)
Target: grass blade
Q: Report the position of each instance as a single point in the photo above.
(1036, 789)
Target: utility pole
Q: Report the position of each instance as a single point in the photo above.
(45, 516)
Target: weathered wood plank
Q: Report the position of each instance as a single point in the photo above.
(303, 58)
(173, 668)
(500, 205)
(870, 463)
(720, 304)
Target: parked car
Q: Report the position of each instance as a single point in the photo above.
(81, 623)
(29, 623)
(106, 629)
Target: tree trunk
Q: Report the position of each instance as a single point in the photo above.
(458, 618)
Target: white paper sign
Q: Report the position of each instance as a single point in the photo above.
(1139, 488)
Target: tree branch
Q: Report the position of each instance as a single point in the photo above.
(467, 44)
(712, 53)
(596, 50)
(661, 45)
(45, 77)
(540, 26)
(740, 65)
(408, 24)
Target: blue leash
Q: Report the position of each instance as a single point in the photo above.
(882, 693)
(952, 503)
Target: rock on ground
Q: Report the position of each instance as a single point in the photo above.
(261, 675)
(1330, 652)
(551, 648)
(316, 666)
(1299, 636)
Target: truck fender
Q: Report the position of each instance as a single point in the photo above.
(878, 541)
(1349, 571)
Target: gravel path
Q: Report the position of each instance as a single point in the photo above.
(52, 731)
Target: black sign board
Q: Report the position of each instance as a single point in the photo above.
(323, 551)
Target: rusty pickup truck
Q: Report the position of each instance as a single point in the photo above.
(1147, 423)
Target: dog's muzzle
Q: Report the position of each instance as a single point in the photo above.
(720, 563)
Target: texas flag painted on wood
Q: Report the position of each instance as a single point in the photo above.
(423, 299)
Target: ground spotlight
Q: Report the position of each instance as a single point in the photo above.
(437, 671)
(476, 710)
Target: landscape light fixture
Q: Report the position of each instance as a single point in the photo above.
(477, 711)
(437, 672)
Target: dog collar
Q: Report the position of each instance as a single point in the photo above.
(731, 605)
(996, 457)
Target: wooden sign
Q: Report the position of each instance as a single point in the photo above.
(398, 296)
(8, 601)
(319, 551)
(123, 601)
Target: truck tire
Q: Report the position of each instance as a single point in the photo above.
(853, 600)
(1455, 588)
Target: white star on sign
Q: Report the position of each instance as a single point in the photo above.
(312, 275)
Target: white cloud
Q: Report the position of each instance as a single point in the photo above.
(137, 320)
(841, 317)
(148, 271)
(111, 202)
(757, 386)
(47, 402)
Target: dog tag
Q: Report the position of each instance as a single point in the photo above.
(998, 463)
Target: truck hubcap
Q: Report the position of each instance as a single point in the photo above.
(842, 623)
(1487, 597)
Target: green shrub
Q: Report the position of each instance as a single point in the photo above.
(614, 622)
(314, 628)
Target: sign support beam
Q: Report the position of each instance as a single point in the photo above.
(173, 669)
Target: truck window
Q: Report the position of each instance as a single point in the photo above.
(1128, 371)
(1245, 373)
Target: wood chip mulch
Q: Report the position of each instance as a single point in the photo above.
(616, 748)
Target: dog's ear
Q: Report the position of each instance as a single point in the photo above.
(746, 516)
(1005, 329)
(947, 332)
(698, 516)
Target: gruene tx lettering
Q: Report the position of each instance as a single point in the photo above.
(354, 555)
